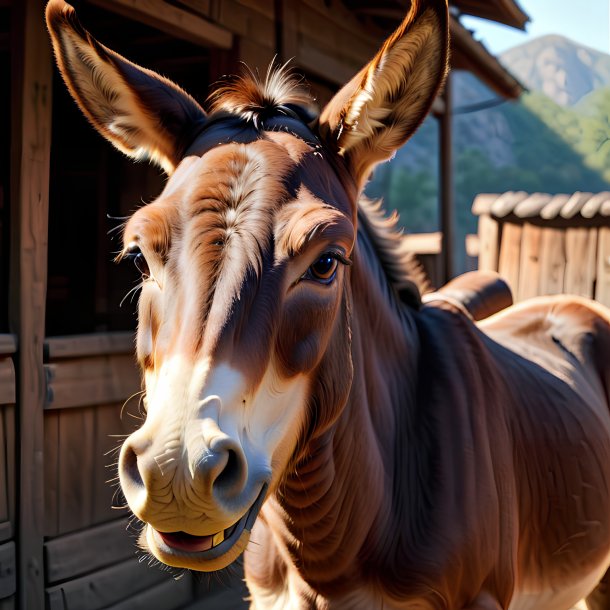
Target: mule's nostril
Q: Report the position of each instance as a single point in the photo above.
(230, 474)
(129, 466)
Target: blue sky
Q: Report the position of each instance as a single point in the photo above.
(586, 22)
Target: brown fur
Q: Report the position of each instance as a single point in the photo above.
(409, 458)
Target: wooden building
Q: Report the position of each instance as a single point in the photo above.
(547, 244)
(66, 364)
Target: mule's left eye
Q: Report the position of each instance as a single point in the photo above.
(324, 269)
(134, 253)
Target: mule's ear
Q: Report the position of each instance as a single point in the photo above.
(382, 106)
(143, 114)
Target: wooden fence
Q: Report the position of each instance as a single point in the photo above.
(547, 244)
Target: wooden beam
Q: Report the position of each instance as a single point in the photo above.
(172, 20)
(32, 74)
(447, 212)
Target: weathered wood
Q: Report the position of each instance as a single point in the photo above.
(529, 272)
(7, 381)
(489, 245)
(421, 243)
(172, 20)
(482, 203)
(76, 440)
(554, 206)
(592, 207)
(336, 40)
(8, 570)
(8, 344)
(30, 159)
(105, 587)
(510, 254)
(90, 345)
(91, 381)
(168, 595)
(552, 261)
(264, 7)
(51, 473)
(8, 413)
(6, 531)
(574, 204)
(532, 206)
(581, 252)
(75, 554)
(112, 425)
(252, 25)
(507, 202)
(602, 287)
(258, 57)
(201, 7)
(4, 499)
(290, 25)
(316, 61)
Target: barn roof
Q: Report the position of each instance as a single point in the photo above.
(543, 205)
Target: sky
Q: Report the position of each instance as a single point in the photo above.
(584, 21)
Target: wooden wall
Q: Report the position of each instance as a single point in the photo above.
(539, 257)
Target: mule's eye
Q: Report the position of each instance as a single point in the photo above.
(134, 253)
(324, 269)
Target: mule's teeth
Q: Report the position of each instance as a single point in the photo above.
(218, 538)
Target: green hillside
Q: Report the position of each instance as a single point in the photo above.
(554, 149)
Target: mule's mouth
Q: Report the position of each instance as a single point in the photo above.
(205, 553)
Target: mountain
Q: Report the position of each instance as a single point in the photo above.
(563, 70)
(555, 139)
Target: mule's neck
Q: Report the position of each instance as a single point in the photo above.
(330, 515)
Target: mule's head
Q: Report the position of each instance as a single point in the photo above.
(244, 316)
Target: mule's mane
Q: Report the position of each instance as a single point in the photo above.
(282, 92)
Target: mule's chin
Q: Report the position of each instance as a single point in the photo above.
(204, 553)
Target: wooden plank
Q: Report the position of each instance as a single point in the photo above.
(421, 243)
(8, 344)
(105, 587)
(529, 272)
(76, 439)
(510, 254)
(250, 25)
(290, 28)
(32, 73)
(334, 39)
(602, 287)
(172, 20)
(264, 7)
(7, 381)
(552, 261)
(489, 251)
(5, 461)
(8, 414)
(51, 473)
(482, 203)
(574, 204)
(168, 595)
(507, 202)
(90, 345)
(201, 7)
(6, 531)
(8, 570)
(112, 425)
(312, 59)
(91, 381)
(75, 554)
(581, 254)
(256, 56)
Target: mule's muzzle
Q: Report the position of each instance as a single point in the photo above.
(205, 553)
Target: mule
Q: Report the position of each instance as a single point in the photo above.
(304, 407)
